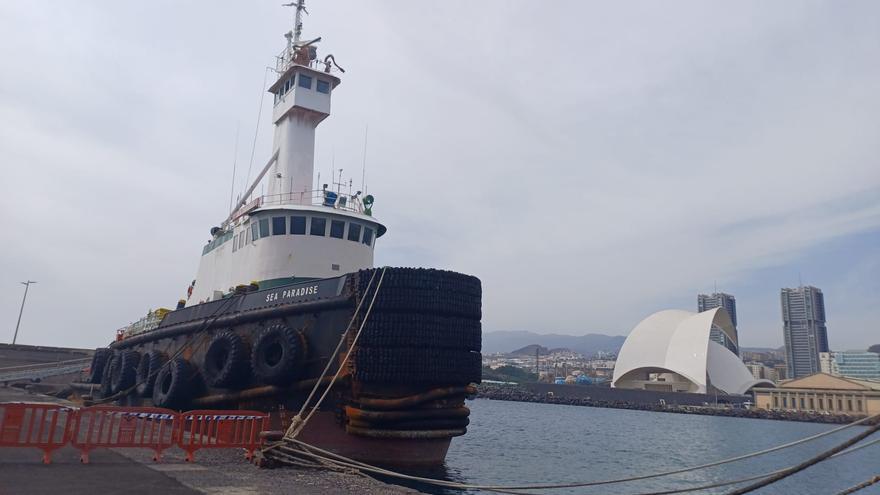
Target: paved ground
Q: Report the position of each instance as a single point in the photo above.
(131, 472)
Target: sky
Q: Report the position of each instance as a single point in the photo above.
(591, 162)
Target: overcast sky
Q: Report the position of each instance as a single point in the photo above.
(591, 162)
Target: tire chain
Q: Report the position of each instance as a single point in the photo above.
(421, 330)
(417, 365)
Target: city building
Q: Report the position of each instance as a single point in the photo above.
(671, 351)
(781, 372)
(706, 302)
(760, 371)
(804, 332)
(853, 364)
(824, 393)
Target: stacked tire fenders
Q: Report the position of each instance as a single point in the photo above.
(424, 328)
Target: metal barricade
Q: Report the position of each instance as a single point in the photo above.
(43, 426)
(205, 429)
(110, 427)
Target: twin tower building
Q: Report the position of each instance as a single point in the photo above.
(804, 331)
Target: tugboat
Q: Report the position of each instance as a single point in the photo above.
(284, 279)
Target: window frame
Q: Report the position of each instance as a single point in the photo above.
(336, 223)
(264, 227)
(305, 222)
(324, 84)
(368, 239)
(354, 226)
(323, 220)
(299, 81)
(283, 224)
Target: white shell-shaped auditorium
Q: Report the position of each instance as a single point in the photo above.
(671, 351)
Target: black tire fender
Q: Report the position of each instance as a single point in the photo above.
(227, 361)
(113, 361)
(124, 376)
(278, 355)
(99, 360)
(175, 385)
(147, 370)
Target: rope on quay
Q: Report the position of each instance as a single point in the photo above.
(864, 484)
(326, 456)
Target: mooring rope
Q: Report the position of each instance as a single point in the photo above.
(860, 486)
(809, 462)
(347, 462)
(297, 424)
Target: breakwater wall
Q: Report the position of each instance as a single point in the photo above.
(643, 400)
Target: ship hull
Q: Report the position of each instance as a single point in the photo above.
(399, 398)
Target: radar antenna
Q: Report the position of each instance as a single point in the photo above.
(297, 20)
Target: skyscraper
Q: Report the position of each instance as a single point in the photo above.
(803, 317)
(720, 300)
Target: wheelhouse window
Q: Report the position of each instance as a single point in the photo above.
(235, 243)
(264, 227)
(305, 81)
(337, 228)
(298, 225)
(255, 233)
(319, 226)
(323, 87)
(279, 225)
(368, 236)
(354, 232)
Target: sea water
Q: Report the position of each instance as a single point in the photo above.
(514, 443)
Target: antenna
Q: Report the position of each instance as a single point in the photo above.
(297, 18)
(234, 163)
(364, 165)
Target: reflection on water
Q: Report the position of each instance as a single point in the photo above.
(524, 443)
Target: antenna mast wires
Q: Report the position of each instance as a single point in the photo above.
(297, 18)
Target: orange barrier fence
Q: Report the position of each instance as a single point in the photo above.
(51, 426)
(206, 429)
(129, 427)
(43, 426)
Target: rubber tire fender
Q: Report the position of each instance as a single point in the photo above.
(175, 385)
(278, 355)
(125, 376)
(227, 361)
(99, 360)
(147, 370)
(113, 361)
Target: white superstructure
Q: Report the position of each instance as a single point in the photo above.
(294, 232)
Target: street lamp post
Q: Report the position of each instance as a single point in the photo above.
(26, 285)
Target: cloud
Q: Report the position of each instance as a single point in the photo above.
(590, 162)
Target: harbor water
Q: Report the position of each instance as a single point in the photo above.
(526, 443)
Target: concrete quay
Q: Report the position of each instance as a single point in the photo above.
(132, 471)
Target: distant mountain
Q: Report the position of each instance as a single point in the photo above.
(530, 349)
(507, 341)
(874, 348)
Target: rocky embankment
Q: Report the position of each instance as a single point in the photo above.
(521, 394)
